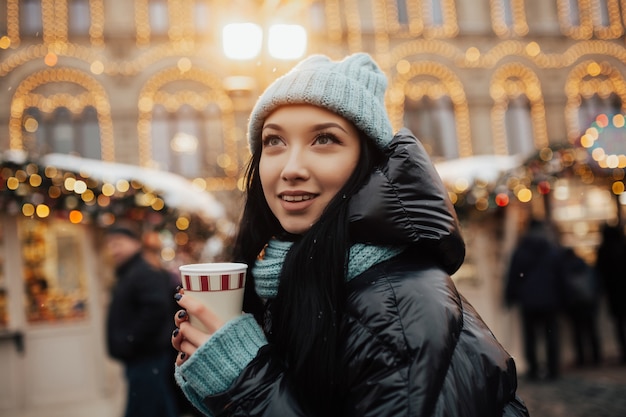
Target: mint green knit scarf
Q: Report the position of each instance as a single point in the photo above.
(267, 270)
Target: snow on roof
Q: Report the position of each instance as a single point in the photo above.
(181, 193)
(487, 168)
(176, 191)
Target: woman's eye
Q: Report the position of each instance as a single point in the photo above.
(271, 141)
(326, 138)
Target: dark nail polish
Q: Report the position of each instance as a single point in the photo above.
(178, 288)
(178, 296)
(175, 332)
(182, 314)
(183, 355)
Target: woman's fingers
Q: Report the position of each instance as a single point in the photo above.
(192, 337)
(186, 338)
(180, 316)
(195, 308)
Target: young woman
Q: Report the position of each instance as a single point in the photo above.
(351, 240)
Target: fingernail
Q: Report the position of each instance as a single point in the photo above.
(182, 314)
(175, 332)
(177, 296)
(183, 355)
(178, 288)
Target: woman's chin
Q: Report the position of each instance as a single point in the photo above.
(296, 228)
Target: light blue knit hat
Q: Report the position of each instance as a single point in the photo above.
(354, 88)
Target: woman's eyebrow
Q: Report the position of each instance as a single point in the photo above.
(328, 125)
(314, 128)
(272, 126)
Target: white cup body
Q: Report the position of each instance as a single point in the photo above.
(219, 286)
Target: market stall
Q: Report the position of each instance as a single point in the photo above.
(55, 278)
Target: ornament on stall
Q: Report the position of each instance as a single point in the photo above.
(41, 192)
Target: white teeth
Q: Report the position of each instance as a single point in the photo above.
(296, 198)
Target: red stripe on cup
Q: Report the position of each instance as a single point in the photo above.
(241, 276)
(225, 282)
(187, 282)
(204, 283)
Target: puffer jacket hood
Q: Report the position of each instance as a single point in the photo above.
(405, 203)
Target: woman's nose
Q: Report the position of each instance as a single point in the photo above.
(295, 167)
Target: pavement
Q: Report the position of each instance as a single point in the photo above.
(578, 392)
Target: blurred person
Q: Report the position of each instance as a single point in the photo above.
(534, 283)
(611, 254)
(138, 326)
(581, 302)
(152, 248)
(350, 240)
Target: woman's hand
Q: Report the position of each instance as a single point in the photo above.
(186, 338)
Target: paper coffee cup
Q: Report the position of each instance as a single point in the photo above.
(219, 286)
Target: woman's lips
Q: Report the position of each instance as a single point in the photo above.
(297, 198)
(296, 202)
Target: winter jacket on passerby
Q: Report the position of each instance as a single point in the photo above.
(609, 265)
(534, 276)
(411, 344)
(140, 312)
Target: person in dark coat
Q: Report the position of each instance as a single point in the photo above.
(351, 240)
(609, 265)
(581, 302)
(534, 283)
(139, 326)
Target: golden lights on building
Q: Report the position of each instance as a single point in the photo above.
(477, 61)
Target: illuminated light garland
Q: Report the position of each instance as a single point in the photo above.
(605, 140)
(590, 20)
(538, 176)
(519, 26)
(32, 190)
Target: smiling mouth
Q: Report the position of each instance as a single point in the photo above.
(297, 198)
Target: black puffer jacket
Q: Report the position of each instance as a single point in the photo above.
(413, 346)
(140, 312)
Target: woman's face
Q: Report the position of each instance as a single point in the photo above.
(308, 155)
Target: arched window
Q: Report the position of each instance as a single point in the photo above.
(595, 105)
(186, 148)
(215, 142)
(79, 17)
(31, 22)
(62, 136)
(202, 17)
(158, 17)
(189, 142)
(161, 138)
(519, 127)
(88, 134)
(34, 132)
(62, 132)
(432, 121)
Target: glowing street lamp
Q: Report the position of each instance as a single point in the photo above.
(242, 41)
(286, 41)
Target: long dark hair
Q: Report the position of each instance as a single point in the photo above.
(305, 314)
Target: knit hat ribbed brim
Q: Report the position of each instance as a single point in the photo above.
(353, 88)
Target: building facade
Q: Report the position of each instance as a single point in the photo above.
(149, 83)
